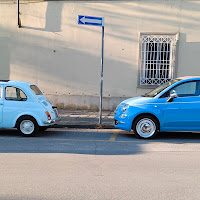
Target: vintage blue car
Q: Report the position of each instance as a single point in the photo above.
(173, 106)
(23, 106)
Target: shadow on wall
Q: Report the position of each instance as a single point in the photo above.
(5, 59)
(73, 71)
(53, 14)
(77, 77)
(188, 59)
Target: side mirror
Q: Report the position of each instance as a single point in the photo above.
(173, 95)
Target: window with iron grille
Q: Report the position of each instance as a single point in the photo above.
(157, 59)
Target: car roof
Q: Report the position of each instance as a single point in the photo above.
(17, 83)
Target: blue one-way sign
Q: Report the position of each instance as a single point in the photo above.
(88, 20)
(96, 21)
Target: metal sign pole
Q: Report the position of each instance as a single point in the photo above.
(18, 12)
(18, 18)
(101, 86)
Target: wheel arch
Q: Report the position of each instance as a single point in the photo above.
(25, 115)
(150, 114)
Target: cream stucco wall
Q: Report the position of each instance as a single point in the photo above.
(64, 58)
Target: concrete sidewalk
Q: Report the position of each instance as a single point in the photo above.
(84, 119)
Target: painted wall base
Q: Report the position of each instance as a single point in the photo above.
(84, 102)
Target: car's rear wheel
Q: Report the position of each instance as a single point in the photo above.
(145, 126)
(27, 126)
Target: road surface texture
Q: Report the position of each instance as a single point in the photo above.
(75, 164)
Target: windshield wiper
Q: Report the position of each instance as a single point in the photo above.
(145, 95)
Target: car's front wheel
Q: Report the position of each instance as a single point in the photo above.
(145, 126)
(27, 126)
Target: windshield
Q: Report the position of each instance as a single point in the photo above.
(159, 89)
(36, 90)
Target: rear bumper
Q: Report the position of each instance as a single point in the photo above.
(53, 121)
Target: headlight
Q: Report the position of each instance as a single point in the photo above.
(125, 107)
(123, 115)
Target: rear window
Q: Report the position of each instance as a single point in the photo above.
(36, 90)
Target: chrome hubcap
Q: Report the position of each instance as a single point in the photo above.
(27, 127)
(146, 128)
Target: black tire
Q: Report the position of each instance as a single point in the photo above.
(43, 128)
(27, 126)
(145, 127)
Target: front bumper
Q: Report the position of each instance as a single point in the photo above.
(118, 122)
(52, 121)
(123, 125)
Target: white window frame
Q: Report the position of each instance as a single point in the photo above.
(157, 58)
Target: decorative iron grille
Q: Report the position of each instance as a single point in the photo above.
(157, 59)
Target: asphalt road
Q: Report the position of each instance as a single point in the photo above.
(99, 164)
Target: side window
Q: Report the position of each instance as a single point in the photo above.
(198, 88)
(15, 94)
(186, 89)
(0, 92)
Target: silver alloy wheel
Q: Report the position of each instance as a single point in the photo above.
(27, 127)
(146, 128)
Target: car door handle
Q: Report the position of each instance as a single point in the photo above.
(1, 104)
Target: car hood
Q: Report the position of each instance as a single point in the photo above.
(137, 100)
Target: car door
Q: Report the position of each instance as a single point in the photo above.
(14, 104)
(183, 113)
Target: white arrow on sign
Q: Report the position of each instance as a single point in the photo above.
(87, 20)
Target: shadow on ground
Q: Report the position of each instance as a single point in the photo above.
(92, 141)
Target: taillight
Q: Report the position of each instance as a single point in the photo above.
(48, 115)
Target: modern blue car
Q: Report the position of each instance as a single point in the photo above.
(173, 106)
